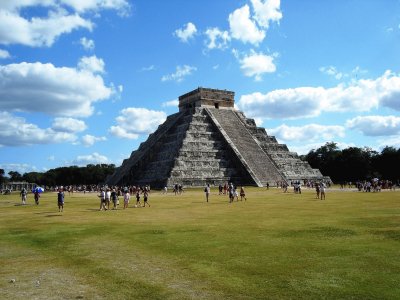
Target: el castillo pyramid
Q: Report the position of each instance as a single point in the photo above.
(209, 141)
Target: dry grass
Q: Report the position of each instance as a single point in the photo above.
(273, 246)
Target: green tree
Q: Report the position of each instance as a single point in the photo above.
(388, 163)
(15, 176)
(2, 179)
(325, 159)
(33, 177)
(355, 163)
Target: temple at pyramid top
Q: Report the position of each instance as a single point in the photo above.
(209, 141)
(205, 97)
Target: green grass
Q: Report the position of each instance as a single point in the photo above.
(273, 246)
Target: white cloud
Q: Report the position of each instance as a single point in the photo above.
(87, 44)
(309, 133)
(375, 125)
(76, 5)
(91, 64)
(89, 140)
(180, 74)
(243, 28)
(266, 11)
(68, 125)
(172, 103)
(63, 16)
(20, 168)
(4, 54)
(256, 64)
(186, 33)
(393, 141)
(94, 158)
(15, 131)
(38, 32)
(137, 121)
(121, 6)
(305, 148)
(217, 39)
(360, 95)
(332, 71)
(37, 87)
(149, 68)
(388, 87)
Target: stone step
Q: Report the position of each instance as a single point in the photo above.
(255, 159)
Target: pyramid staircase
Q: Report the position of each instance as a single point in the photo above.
(209, 141)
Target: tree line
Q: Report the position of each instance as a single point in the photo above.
(73, 175)
(350, 164)
(353, 163)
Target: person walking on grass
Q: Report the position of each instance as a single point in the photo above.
(102, 197)
(242, 194)
(317, 190)
(23, 196)
(108, 198)
(60, 200)
(322, 190)
(127, 197)
(138, 204)
(114, 198)
(36, 195)
(145, 197)
(207, 191)
(231, 192)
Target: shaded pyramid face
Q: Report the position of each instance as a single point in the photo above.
(208, 141)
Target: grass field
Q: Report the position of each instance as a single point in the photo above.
(273, 246)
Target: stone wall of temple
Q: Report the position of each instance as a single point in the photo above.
(206, 144)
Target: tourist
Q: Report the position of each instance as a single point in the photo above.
(138, 204)
(145, 196)
(285, 186)
(60, 200)
(242, 194)
(36, 195)
(23, 196)
(207, 191)
(108, 198)
(176, 189)
(220, 188)
(322, 190)
(231, 193)
(127, 197)
(102, 197)
(114, 198)
(317, 190)
(235, 193)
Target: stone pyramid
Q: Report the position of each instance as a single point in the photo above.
(209, 141)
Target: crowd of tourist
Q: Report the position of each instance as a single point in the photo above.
(113, 194)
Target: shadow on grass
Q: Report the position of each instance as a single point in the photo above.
(391, 234)
(53, 215)
(92, 209)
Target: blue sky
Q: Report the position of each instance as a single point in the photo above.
(87, 81)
